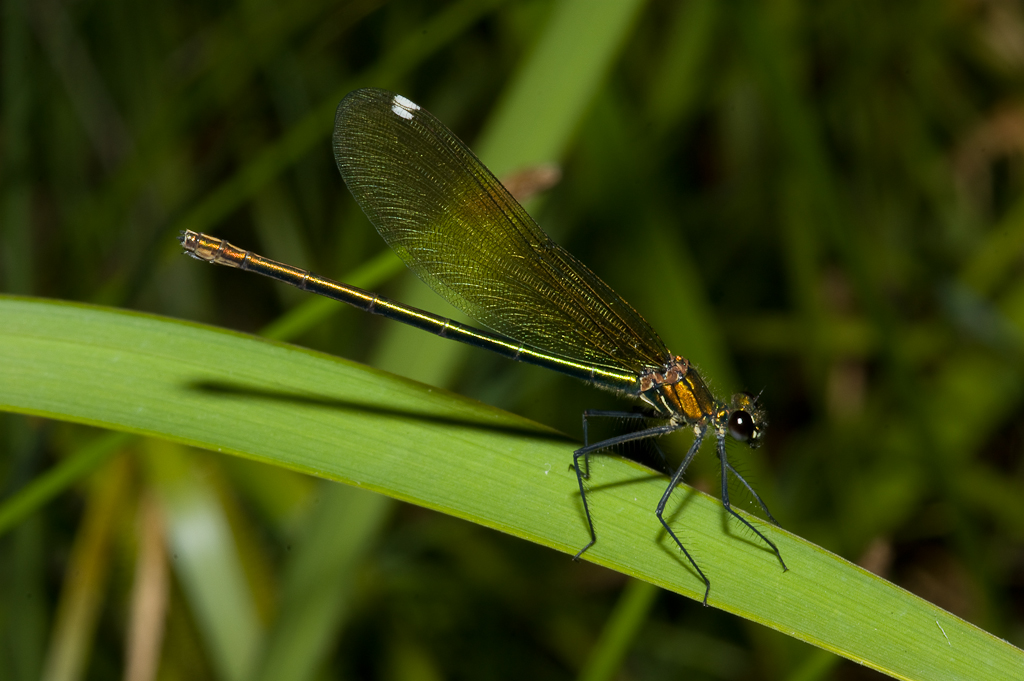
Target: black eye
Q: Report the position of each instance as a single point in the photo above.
(741, 425)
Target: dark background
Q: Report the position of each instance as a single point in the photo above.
(835, 187)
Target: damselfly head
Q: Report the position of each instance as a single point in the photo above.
(747, 420)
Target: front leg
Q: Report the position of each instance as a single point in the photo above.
(659, 512)
(726, 466)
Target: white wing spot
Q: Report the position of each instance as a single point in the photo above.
(403, 107)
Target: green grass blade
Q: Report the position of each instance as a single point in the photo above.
(556, 84)
(625, 623)
(54, 481)
(206, 560)
(85, 581)
(329, 417)
(320, 582)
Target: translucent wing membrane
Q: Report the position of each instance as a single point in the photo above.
(463, 234)
(454, 225)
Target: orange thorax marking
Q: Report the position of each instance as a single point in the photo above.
(678, 389)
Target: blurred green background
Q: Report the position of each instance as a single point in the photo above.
(820, 200)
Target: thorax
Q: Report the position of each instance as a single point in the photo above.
(677, 391)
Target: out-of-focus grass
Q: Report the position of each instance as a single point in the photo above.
(816, 199)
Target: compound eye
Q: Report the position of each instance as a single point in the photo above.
(741, 425)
